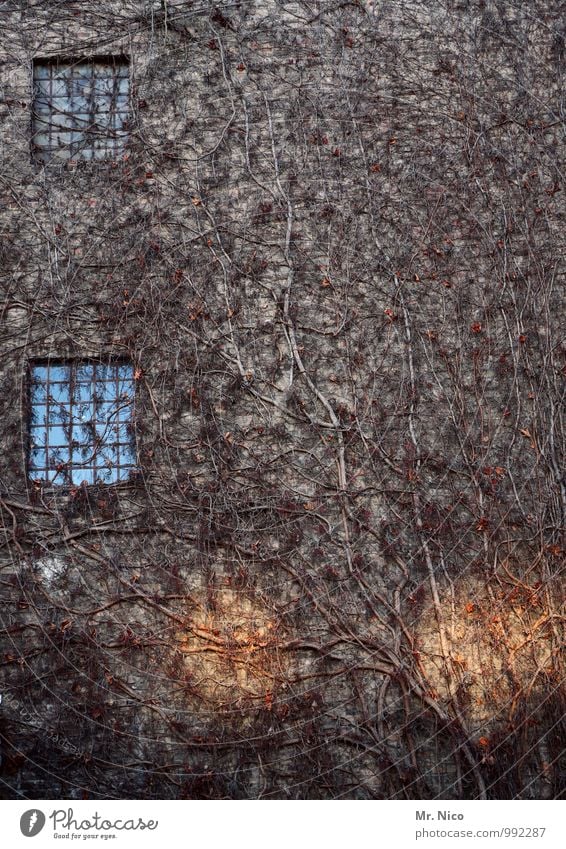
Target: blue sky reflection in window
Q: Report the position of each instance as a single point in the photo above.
(80, 109)
(81, 428)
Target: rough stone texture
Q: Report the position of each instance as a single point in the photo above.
(334, 253)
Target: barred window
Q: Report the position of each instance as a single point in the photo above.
(80, 109)
(81, 428)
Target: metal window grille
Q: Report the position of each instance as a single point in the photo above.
(80, 109)
(81, 424)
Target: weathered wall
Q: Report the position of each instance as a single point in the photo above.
(333, 252)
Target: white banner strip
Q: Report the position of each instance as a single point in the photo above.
(289, 824)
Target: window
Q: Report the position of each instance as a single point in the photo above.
(80, 109)
(81, 428)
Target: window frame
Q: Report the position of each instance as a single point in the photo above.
(113, 142)
(122, 472)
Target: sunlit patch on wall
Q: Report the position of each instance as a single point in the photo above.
(497, 652)
(230, 653)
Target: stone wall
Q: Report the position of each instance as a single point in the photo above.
(332, 250)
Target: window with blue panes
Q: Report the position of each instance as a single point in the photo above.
(81, 425)
(80, 109)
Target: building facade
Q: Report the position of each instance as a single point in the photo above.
(281, 478)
